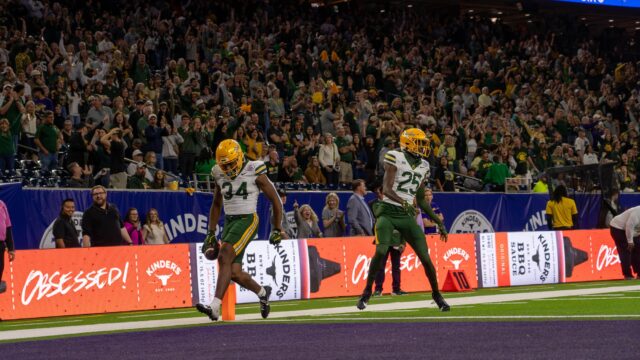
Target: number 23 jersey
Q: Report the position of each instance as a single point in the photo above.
(408, 179)
(240, 195)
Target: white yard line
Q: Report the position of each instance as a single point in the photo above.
(154, 314)
(45, 323)
(469, 300)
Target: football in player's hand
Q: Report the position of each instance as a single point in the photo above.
(211, 253)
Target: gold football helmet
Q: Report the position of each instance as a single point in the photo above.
(230, 158)
(415, 141)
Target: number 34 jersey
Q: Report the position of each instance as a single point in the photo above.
(408, 179)
(240, 195)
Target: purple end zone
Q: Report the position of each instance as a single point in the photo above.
(417, 340)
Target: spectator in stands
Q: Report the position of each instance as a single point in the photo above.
(443, 176)
(359, 215)
(115, 145)
(29, 123)
(347, 151)
(159, 180)
(78, 145)
(65, 233)
(314, 174)
(6, 241)
(153, 231)
(153, 134)
(138, 180)
(170, 147)
(291, 172)
(273, 164)
(80, 177)
(542, 185)
(99, 115)
(137, 157)
(329, 158)
(101, 223)
(497, 175)
(561, 211)
(332, 217)
(306, 221)
(430, 226)
(360, 158)
(48, 139)
(624, 231)
(189, 148)
(7, 147)
(150, 162)
(133, 226)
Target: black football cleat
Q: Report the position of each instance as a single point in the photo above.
(207, 310)
(442, 305)
(364, 300)
(265, 308)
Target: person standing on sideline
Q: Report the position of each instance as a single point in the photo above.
(625, 229)
(333, 217)
(64, 230)
(395, 251)
(561, 212)
(101, 223)
(237, 186)
(6, 241)
(405, 175)
(132, 224)
(359, 216)
(153, 231)
(430, 226)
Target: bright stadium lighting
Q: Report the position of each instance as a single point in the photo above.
(493, 19)
(410, 6)
(499, 12)
(610, 20)
(527, 15)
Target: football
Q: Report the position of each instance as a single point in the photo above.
(212, 252)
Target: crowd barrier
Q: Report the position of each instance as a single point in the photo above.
(43, 283)
(185, 216)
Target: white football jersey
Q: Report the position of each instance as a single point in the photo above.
(240, 195)
(408, 179)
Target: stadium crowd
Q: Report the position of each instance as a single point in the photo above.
(319, 93)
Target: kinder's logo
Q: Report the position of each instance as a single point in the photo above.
(607, 256)
(456, 256)
(537, 221)
(471, 221)
(163, 270)
(48, 242)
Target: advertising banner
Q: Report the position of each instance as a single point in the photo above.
(529, 258)
(43, 283)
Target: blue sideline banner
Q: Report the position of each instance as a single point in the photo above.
(185, 216)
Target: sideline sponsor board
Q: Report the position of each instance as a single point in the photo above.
(60, 282)
(528, 258)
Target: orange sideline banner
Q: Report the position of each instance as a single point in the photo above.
(546, 257)
(354, 255)
(42, 283)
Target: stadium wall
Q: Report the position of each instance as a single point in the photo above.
(185, 215)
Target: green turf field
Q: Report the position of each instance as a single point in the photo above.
(621, 304)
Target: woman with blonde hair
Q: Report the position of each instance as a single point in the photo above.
(307, 222)
(153, 231)
(333, 217)
(314, 173)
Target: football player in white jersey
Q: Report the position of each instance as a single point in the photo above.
(238, 184)
(406, 172)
